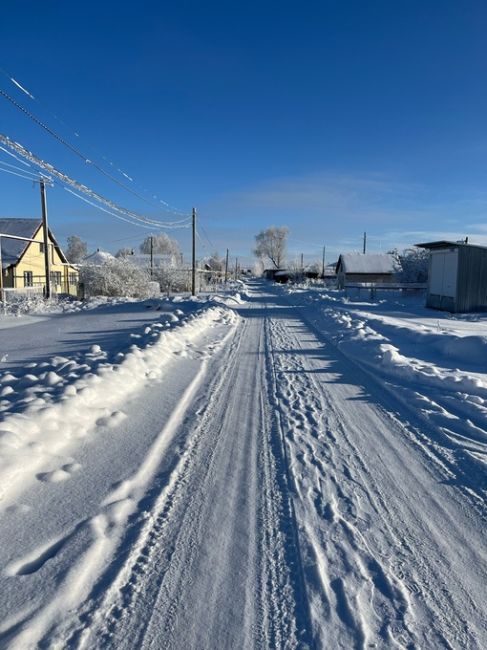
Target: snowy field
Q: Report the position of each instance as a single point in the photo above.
(278, 468)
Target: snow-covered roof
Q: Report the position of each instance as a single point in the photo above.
(12, 249)
(98, 257)
(365, 263)
(448, 244)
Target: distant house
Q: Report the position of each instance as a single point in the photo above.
(269, 274)
(457, 280)
(98, 258)
(278, 275)
(22, 262)
(360, 267)
(159, 260)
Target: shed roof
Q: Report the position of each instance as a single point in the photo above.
(12, 249)
(382, 263)
(448, 244)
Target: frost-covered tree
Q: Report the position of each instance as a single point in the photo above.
(412, 264)
(124, 252)
(271, 244)
(214, 262)
(115, 277)
(76, 250)
(172, 280)
(161, 244)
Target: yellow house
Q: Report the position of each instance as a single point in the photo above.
(23, 265)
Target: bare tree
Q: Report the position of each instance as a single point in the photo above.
(271, 244)
(77, 249)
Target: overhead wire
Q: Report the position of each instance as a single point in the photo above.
(14, 156)
(66, 180)
(99, 207)
(25, 171)
(10, 171)
(206, 237)
(76, 151)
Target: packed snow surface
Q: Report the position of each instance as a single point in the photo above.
(277, 468)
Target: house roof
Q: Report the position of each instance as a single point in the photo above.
(448, 244)
(98, 258)
(363, 263)
(12, 249)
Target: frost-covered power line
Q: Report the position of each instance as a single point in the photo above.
(99, 207)
(84, 189)
(74, 149)
(10, 171)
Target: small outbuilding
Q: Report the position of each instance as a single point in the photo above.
(365, 268)
(457, 279)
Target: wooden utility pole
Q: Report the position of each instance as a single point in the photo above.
(151, 256)
(193, 273)
(226, 268)
(323, 263)
(45, 230)
(365, 242)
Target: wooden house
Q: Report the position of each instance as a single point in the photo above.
(23, 263)
(457, 279)
(365, 268)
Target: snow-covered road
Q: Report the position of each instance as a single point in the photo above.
(262, 490)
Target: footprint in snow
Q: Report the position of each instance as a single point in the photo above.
(59, 475)
(111, 420)
(56, 476)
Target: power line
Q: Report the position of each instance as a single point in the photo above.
(99, 207)
(9, 171)
(14, 156)
(76, 151)
(25, 171)
(66, 180)
(206, 236)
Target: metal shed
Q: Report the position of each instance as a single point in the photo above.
(457, 279)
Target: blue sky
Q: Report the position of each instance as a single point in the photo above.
(329, 117)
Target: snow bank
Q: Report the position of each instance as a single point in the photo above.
(399, 337)
(56, 404)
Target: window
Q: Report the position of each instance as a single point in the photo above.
(73, 278)
(56, 277)
(28, 279)
(41, 247)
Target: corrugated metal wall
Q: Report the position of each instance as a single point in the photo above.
(472, 279)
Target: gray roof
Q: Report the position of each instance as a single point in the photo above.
(12, 249)
(382, 263)
(448, 244)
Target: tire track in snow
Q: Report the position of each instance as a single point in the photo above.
(221, 532)
(124, 510)
(399, 576)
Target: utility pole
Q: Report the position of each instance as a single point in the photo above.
(323, 263)
(365, 242)
(151, 256)
(193, 273)
(45, 231)
(226, 268)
